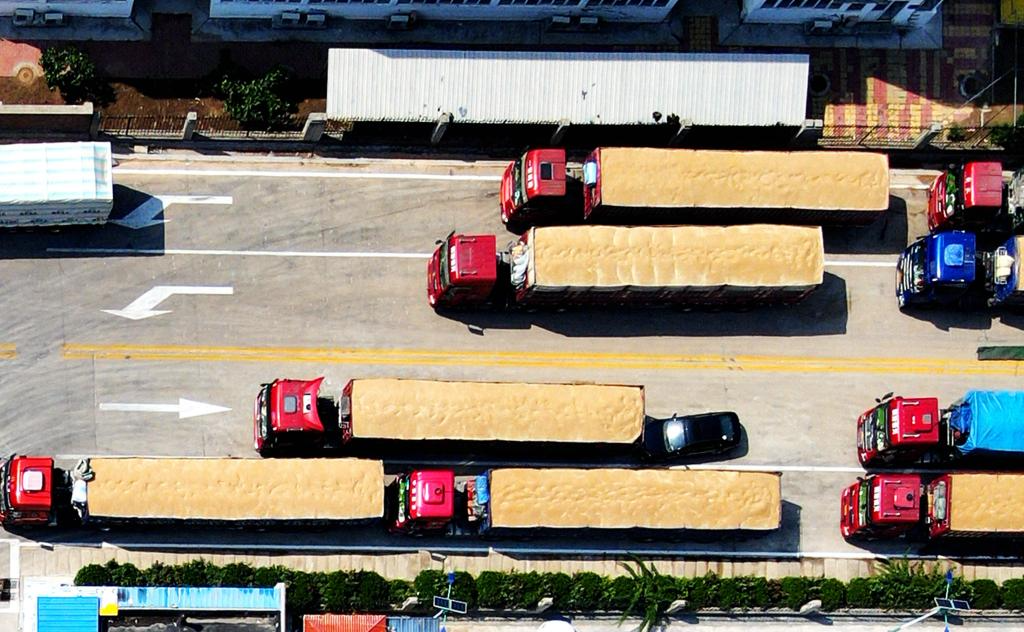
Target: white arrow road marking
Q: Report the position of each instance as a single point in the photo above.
(144, 215)
(142, 307)
(185, 408)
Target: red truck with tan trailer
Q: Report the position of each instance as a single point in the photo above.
(959, 505)
(558, 267)
(630, 185)
(108, 492)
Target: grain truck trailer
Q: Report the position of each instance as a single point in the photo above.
(637, 185)
(612, 266)
(457, 417)
(55, 184)
(985, 426)
(111, 491)
(230, 492)
(975, 505)
(656, 502)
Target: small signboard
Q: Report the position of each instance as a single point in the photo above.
(451, 605)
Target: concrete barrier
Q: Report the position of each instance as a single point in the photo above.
(46, 120)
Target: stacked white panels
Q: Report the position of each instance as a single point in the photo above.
(55, 184)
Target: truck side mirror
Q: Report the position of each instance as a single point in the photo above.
(438, 242)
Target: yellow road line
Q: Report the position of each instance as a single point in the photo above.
(428, 357)
(8, 351)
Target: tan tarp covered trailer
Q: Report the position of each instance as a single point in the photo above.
(609, 257)
(236, 489)
(985, 503)
(494, 411)
(611, 498)
(805, 187)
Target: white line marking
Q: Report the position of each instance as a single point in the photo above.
(241, 253)
(186, 408)
(336, 255)
(363, 175)
(142, 307)
(532, 550)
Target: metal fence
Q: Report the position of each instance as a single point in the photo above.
(157, 127)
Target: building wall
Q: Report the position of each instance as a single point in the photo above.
(88, 8)
(908, 13)
(614, 10)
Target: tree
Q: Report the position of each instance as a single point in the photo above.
(261, 103)
(72, 72)
(1010, 137)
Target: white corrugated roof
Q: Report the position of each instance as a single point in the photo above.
(545, 87)
(55, 172)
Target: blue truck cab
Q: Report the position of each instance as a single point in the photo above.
(1004, 280)
(936, 270)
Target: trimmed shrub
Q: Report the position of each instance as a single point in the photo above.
(905, 586)
(371, 592)
(268, 576)
(263, 103)
(859, 593)
(125, 574)
(753, 592)
(729, 594)
(495, 590)
(303, 592)
(556, 586)
(161, 575)
(619, 593)
(236, 574)
(984, 594)
(1013, 594)
(794, 592)
(196, 573)
(399, 590)
(93, 575)
(702, 592)
(832, 593)
(586, 592)
(337, 591)
(71, 71)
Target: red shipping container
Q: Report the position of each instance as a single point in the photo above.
(344, 623)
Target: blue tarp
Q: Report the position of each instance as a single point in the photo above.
(68, 614)
(993, 421)
(188, 598)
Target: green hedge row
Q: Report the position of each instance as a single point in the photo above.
(899, 586)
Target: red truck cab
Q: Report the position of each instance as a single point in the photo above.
(533, 184)
(422, 501)
(881, 506)
(462, 271)
(967, 196)
(286, 411)
(27, 497)
(898, 429)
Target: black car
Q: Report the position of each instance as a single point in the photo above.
(689, 435)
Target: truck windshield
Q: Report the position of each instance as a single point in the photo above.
(675, 435)
(263, 410)
(863, 496)
(954, 191)
(880, 426)
(912, 268)
(518, 187)
(443, 271)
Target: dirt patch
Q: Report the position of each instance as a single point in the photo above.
(17, 91)
(129, 99)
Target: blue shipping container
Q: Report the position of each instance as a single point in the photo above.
(68, 614)
(413, 624)
(190, 598)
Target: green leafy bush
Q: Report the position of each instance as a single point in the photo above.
(399, 590)
(268, 576)
(71, 71)
(859, 593)
(984, 594)
(585, 594)
(337, 591)
(794, 592)
(905, 586)
(125, 574)
(556, 586)
(1009, 137)
(729, 593)
(832, 594)
(702, 592)
(1013, 594)
(196, 573)
(754, 592)
(371, 592)
(956, 134)
(161, 575)
(93, 575)
(236, 574)
(618, 593)
(430, 583)
(263, 103)
(302, 594)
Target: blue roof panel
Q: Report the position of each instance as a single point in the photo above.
(194, 598)
(994, 421)
(68, 614)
